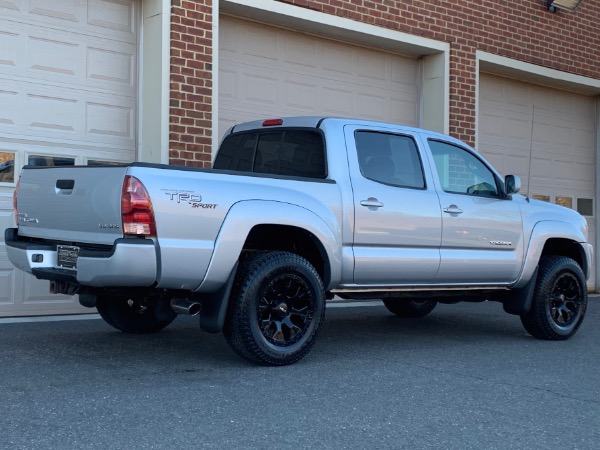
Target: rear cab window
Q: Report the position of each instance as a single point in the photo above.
(295, 152)
(389, 158)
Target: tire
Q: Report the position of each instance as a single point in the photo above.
(559, 300)
(136, 315)
(276, 309)
(409, 308)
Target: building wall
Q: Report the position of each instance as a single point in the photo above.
(190, 118)
(522, 30)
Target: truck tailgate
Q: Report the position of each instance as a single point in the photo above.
(82, 205)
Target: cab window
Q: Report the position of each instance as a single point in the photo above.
(389, 159)
(461, 172)
(291, 152)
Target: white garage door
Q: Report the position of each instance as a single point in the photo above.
(68, 88)
(271, 72)
(562, 148)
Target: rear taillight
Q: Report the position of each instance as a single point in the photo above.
(15, 210)
(136, 209)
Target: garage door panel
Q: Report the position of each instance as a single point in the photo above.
(68, 88)
(7, 280)
(10, 5)
(298, 51)
(337, 101)
(550, 135)
(115, 15)
(48, 54)
(67, 114)
(300, 95)
(113, 19)
(29, 54)
(271, 71)
(111, 66)
(403, 111)
(9, 49)
(337, 59)
(67, 10)
(584, 138)
(561, 152)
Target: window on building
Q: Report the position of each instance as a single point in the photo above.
(46, 160)
(7, 167)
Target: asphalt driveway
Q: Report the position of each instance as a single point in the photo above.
(467, 376)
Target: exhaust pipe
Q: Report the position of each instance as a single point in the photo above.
(185, 306)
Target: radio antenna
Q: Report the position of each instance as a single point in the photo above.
(530, 153)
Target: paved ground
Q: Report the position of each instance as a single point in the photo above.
(467, 376)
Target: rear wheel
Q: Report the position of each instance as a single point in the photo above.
(409, 308)
(137, 315)
(277, 308)
(559, 300)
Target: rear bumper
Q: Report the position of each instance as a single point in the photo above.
(130, 262)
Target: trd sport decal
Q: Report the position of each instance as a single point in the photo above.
(188, 197)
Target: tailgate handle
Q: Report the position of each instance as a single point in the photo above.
(65, 184)
(64, 187)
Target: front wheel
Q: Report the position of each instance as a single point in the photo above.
(277, 308)
(136, 315)
(409, 308)
(559, 300)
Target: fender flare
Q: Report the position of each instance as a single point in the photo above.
(542, 231)
(245, 215)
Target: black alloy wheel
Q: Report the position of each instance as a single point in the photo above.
(559, 301)
(276, 308)
(286, 310)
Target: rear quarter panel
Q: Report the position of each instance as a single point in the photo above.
(191, 206)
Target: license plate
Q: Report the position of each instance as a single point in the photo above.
(66, 256)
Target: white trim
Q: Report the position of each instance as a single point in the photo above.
(530, 73)
(512, 68)
(215, 78)
(166, 80)
(333, 26)
(154, 80)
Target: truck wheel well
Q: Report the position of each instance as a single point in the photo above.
(566, 247)
(291, 239)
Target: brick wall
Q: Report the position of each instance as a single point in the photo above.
(520, 29)
(190, 126)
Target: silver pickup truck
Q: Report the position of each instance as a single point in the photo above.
(295, 212)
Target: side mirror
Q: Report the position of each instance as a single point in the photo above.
(512, 184)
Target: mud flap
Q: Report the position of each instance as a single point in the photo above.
(518, 301)
(214, 306)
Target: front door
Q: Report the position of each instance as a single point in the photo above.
(482, 238)
(397, 228)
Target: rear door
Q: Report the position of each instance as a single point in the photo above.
(482, 238)
(397, 227)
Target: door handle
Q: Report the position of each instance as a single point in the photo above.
(453, 209)
(371, 203)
